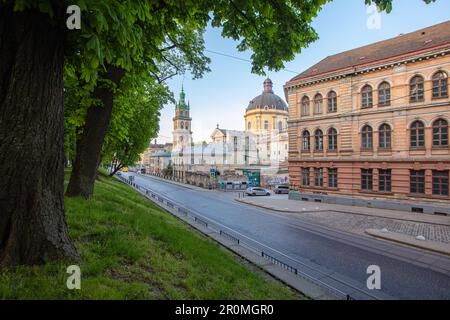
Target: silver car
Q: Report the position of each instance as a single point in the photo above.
(254, 191)
(281, 189)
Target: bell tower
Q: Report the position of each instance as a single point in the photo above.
(182, 134)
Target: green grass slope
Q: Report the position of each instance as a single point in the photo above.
(131, 249)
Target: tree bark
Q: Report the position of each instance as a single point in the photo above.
(32, 221)
(89, 144)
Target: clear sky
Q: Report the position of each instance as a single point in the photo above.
(223, 94)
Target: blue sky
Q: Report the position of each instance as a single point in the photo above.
(223, 94)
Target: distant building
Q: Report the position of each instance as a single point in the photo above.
(374, 121)
(264, 143)
(182, 138)
(148, 160)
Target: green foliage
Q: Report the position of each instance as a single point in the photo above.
(135, 119)
(386, 5)
(131, 249)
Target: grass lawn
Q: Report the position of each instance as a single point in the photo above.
(131, 249)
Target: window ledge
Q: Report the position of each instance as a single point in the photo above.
(440, 97)
(417, 149)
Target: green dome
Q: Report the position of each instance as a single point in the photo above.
(182, 101)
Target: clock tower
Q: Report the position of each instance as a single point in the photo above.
(182, 134)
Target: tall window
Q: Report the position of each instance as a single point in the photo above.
(332, 102)
(332, 178)
(318, 140)
(306, 145)
(332, 139)
(266, 125)
(182, 125)
(318, 177)
(249, 125)
(440, 183)
(417, 135)
(385, 180)
(318, 100)
(440, 133)
(305, 177)
(384, 94)
(280, 126)
(440, 85)
(417, 181)
(416, 89)
(366, 179)
(367, 137)
(305, 106)
(384, 133)
(367, 97)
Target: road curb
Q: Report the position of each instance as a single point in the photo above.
(438, 247)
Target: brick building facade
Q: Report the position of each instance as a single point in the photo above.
(374, 121)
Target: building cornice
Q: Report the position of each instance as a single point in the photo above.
(367, 68)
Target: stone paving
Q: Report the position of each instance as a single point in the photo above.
(358, 224)
(358, 219)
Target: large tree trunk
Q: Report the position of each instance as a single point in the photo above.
(32, 221)
(89, 145)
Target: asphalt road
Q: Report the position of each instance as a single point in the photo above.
(406, 273)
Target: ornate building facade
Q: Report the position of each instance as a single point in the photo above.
(263, 143)
(374, 121)
(182, 138)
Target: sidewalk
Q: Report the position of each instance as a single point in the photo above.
(295, 206)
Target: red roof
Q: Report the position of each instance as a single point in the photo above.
(422, 40)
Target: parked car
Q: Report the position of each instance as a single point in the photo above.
(257, 192)
(281, 190)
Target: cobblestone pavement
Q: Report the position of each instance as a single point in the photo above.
(358, 224)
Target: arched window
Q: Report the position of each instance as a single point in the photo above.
(182, 125)
(318, 100)
(440, 85)
(332, 102)
(305, 106)
(440, 133)
(318, 140)
(332, 139)
(366, 97)
(416, 89)
(249, 125)
(384, 135)
(367, 137)
(266, 125)
(306, 138)
(417, 134)
(280, 126)
(384, 94)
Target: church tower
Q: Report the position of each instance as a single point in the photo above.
(182, 134)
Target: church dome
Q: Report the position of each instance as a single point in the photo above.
(267, 99)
